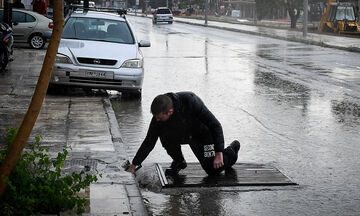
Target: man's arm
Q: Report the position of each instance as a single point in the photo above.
(132, 169)
(146, 147)
(218, 161)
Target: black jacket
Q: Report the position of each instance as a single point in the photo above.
(190, 118)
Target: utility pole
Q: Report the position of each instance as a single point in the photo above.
(146, 6)
(136, 6)
(255, 16)
(206, 11)
(86, 4)
(7, 14)
(305, 18)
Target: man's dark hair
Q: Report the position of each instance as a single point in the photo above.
(161, 104)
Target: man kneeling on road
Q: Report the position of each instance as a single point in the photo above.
(180, 118)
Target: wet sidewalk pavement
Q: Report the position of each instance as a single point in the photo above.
(324, 40)
(87, 123)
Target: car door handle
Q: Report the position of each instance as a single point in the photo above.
(30, 27)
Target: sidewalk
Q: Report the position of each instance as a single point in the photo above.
(331, 41)
(85, 122)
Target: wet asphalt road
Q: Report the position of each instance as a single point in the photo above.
(291, 105)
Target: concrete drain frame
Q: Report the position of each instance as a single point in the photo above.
(241, 174)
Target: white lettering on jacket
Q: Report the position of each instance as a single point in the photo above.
(209, 151)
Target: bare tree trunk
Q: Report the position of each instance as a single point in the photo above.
(33, 111)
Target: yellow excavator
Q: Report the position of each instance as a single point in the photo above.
(339, 17)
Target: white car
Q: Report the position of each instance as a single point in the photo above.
(30, 27)
(99, 50)
(163, 14)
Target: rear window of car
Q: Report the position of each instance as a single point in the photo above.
(18, 17)
(21, 17)
(98, 30)
(163, 11)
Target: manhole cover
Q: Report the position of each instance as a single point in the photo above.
(241, 174)
(88, 164)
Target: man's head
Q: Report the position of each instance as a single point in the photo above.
(162, 107)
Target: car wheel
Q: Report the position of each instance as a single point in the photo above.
(170, 22)
(51, 88)
(133, 94)
(136, 94)
(3, 60)
(37, 42)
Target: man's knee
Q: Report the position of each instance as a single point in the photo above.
(170, 138)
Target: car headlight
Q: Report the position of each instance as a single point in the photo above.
(60, 58)
(133, 63)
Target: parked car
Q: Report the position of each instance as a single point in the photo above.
(177, 13)
(30, 27)
(99, 50)
(163, 14)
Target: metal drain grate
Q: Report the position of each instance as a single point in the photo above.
(241, 174)
(88, 164)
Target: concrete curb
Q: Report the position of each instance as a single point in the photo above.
(299, 40)
(135, 199)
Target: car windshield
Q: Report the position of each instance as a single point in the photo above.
(98, 30)
(345, 13)
(163, 11)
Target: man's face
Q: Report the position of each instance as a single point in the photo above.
(163, 117)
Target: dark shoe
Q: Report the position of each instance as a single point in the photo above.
(178, 165)
(171, 172)
(235, 146)
(175, 168)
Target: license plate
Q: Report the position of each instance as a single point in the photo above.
(97, 74)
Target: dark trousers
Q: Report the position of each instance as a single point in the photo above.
(201, 145)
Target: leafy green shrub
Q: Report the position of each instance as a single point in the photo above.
(182, 5)
(37, 185)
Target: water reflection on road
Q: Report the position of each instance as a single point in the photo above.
(291, 105)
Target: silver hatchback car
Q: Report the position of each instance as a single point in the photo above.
(162, 14)
(99, 50)
(30, 27)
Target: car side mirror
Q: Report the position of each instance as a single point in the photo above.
(144, 43)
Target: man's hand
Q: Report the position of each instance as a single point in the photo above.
(218, 161)
(131, 169)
